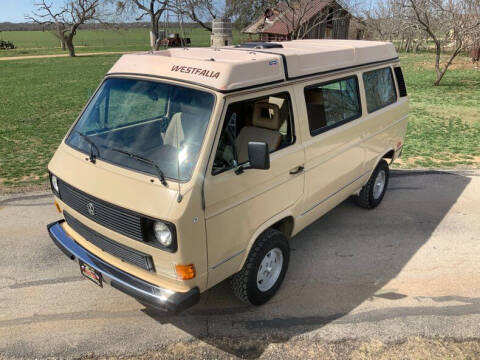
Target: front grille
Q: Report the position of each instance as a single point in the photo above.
(105, 214)
(125, 253)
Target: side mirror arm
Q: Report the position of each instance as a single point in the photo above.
(241, 169)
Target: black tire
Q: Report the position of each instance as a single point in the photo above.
(366, 198)
(244, 283)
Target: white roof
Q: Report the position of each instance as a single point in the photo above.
(234, 68)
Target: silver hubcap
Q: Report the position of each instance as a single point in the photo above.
(269, 269)
(379, 184)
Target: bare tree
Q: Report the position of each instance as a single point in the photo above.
(199, 11)
(66, 19)
(300, 17)
(151, 8)
(245, 12)
(450, 24)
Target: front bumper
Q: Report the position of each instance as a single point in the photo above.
(147, 293)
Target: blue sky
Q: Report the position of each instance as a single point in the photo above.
(15, 10)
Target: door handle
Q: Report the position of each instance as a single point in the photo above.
(297, 170)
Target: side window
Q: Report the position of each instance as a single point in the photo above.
(332, 104)
(379, 88)
(266, 119)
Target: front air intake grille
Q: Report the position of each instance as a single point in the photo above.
(113, 217)
(125, 253)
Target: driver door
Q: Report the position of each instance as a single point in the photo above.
(237, 204)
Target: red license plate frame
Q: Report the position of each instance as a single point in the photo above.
(91, 274)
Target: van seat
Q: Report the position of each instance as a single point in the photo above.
(315, 108)
(265, 126)
(186, 123)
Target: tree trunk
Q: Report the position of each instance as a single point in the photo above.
(442, 72)
(71, 48)
(154, 23)
(62, 44)
(438, 52)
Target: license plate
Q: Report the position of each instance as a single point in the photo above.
(91, 274)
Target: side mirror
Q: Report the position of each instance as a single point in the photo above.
(258, 156)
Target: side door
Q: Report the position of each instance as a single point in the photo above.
(334, 154)
(237, 204)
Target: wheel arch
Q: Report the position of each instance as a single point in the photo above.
(390, 154)
(283, 222)
(386, 154)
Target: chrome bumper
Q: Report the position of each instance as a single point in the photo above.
(146, 293)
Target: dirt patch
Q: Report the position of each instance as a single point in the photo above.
(26, 57)
(442, 161)
(463, 63)
(469, 115)
(20, 189)
(413, 348)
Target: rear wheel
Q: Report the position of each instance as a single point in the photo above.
(372, 193)
(264, 269)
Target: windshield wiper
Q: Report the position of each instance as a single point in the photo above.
(161, 175)
(92, 145)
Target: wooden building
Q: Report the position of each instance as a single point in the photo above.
(303, 19)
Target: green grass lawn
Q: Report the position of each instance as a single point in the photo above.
(444, 125)
(44, 43)
(40, 98)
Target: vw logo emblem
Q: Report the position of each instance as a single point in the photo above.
(91, 209)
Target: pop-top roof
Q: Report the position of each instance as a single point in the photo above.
(233, 68)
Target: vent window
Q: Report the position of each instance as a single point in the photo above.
(402, 88)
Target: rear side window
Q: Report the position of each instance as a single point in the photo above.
(402, 88)
(379, 88)
(332, 104)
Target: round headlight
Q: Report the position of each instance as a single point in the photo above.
(55, 183)
(162, 233)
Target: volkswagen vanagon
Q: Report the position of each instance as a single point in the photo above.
(191, 166)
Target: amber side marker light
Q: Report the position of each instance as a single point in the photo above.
(185, 272)
(58, 206)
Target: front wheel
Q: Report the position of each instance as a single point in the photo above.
(372, 193)
(264, 269)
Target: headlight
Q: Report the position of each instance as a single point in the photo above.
(55, 184)
(162, 233)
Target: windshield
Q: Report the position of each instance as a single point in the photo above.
(156, 121)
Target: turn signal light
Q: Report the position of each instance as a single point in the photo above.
(185, 272)
(58, 206)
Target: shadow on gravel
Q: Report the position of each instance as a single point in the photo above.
(337, 263)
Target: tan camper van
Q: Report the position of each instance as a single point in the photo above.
(191, 166)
